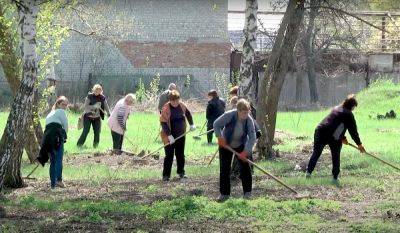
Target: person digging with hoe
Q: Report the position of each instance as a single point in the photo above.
(331, 131)
(117, 121)
(235, 129)
(173, 123)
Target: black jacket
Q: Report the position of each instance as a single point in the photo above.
(53, 136)
(99, 98)
(339, 120)
(215, 108)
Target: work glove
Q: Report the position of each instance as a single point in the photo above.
(344, 141)
(171, 139)
(222, 142)
(243, 156)
(361, 148)
(192, 128)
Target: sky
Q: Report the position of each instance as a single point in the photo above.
(236, 21)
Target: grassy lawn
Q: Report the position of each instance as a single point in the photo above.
(110, 193)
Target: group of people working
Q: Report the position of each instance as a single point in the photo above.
(235, 129)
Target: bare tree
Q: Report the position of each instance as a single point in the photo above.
(308, 44)
(277, 67)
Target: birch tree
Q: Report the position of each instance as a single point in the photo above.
(13, 139)
(247, 86)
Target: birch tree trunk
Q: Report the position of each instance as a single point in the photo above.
(13, 139)
(10, 62)
(247, 86)
(277, 67)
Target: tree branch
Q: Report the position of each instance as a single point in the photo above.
(349, 14)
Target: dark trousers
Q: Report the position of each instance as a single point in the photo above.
(96, 124)
(320, 141)
(117, 140)
(56, 166)
(209, 135)
(177, 148)
(225, 159)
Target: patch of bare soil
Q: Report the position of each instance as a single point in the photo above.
(124, 160)
(152, 190)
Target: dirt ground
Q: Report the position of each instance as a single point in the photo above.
(138, 191)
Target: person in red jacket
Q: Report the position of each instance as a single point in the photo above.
(173, 122)
(330, 131)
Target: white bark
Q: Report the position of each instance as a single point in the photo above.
(12, 141)
(247, 86)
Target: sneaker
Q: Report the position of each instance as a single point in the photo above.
(222, 198)
(308, 175)
(336, 182)
(247, 195)
(60, 184)
(182, 176)
(165, 178)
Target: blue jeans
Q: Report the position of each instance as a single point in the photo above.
(56, 165)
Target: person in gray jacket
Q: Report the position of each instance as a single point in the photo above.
(164, 97)
(235, 129)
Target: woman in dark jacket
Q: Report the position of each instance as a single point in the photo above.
(173, 122)
(235, 129)
(215, 108)
(95, 107)
(331, 131)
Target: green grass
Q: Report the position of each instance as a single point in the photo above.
(379, 137)
(262, 214)
(268, 213)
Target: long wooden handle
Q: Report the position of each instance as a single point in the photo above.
(209, 131)
(264, 171)
(213, 157)
(32, 171)
(176, 139)
(377, 158)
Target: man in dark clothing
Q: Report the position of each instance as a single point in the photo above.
(173, 122)
(163, 99)
(331, 132)
(215, 108)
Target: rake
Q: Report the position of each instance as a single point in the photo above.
(377, 158)
(212, 158)
(198, 137)
(264, 171)
(163, 146)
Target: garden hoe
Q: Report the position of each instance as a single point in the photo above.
(163, 146)
(377, 158)
(298, 196)
(198, 137)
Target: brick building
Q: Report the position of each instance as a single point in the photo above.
(177, 39)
